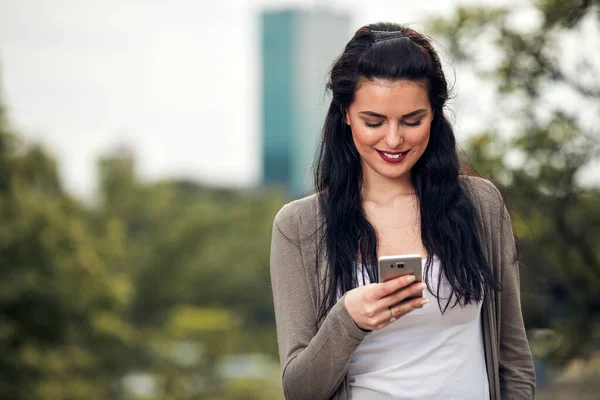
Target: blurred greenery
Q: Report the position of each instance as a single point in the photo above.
(553, 104)
(146, 294)
(160, 290)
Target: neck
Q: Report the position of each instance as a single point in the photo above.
(382, 190)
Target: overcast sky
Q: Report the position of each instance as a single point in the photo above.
(177, 81)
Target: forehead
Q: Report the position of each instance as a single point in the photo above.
(390, 97)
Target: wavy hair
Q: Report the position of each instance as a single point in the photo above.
(448, 222)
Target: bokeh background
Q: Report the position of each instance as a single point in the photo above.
(146, 146)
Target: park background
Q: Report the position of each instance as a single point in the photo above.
(135, 217)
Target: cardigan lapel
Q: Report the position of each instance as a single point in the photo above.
(489, 344)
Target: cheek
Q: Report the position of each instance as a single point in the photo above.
(363, 136)
(420, 137)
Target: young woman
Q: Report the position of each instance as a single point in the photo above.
(388, 183)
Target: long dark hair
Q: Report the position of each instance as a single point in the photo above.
(448, 222)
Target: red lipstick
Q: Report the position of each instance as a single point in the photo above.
(402, 156)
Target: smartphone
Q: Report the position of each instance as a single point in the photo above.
(391, 267)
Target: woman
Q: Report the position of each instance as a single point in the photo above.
(388, 183)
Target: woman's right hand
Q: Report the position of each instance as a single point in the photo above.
(372, 306)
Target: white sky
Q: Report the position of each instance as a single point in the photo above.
(177, 81)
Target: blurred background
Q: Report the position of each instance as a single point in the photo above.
(146, 146)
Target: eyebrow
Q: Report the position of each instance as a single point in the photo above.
(410, 114)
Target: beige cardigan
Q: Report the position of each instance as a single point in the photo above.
(315, 356)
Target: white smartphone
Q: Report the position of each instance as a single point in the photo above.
(391, 267)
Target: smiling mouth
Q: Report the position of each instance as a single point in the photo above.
(393, 157)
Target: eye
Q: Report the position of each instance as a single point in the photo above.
(417, 123)
(370, 125)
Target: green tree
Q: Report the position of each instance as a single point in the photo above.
(59, 309)
(199, 257)
(163, 280)
(556, 217)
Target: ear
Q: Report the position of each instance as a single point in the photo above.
(345, 115)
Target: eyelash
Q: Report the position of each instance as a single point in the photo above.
(377, 125)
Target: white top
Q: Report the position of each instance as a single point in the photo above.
(424, 354)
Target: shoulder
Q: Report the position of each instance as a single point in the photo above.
(487, 202)
(298, 215)
(482, 192)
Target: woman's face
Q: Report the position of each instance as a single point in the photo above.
(390, 122)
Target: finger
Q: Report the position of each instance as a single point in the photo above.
(416, 289)
(393, 285)
(405, 307)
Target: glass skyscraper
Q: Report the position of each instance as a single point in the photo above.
(298, 48)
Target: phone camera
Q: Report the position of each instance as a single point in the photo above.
(400, 265)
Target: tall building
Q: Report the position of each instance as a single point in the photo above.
(298, 48)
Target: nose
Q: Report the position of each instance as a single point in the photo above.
(393, 136)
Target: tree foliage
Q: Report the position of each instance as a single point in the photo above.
(158, 291)
(58, 305)
(551, 104)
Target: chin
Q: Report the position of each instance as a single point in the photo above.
(387, 171)
(393, 173)
(396, 176)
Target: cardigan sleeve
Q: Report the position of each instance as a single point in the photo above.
(314, 361)
(517, 375)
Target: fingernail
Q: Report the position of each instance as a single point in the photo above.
(424, 301)
(411, 278)
(422, 286)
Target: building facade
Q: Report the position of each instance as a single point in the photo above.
(298, 49)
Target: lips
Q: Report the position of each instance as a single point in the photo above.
(393, 157)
